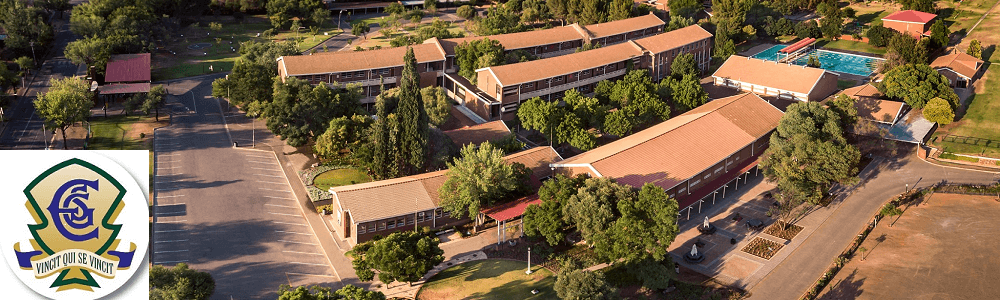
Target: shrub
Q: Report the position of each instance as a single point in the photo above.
(466, 12)
(319, 209)
(316, 194)
(879, 36)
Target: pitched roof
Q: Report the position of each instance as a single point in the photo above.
(871, 107)
(789, 77)
(679, 148)
(673, 39)
(622, 26)
(963, 64)
(342, 61)
(479, 133)
(124, 88)
(910, 16)
(519, 40)
(560, 65)
(513, 209)
(127, 68)
(399, 196)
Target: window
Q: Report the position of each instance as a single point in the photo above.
(719, 169)
(696, 182)
(384, 72)
(529, 85)
(360, 74)
(421, 217)
(392, 224)
(409, 221)
(585, 73)
(381, 226)
(438, 213)
(400, 221)
(347, 75)
(681, 190)
(447, 214)
(361, 229)
(558, 79)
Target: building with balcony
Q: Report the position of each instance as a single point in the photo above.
(399, 204)
(615, 32)
(661, 49)
(691, 156)
(365, 68)
(780, 80)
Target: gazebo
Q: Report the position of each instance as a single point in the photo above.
(509, 211)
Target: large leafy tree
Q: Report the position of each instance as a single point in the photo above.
(687, 93)
(684, 64)
(67, 101)
(316, 292)
(567, 123)
(412, 117)
(179, 282)
(680, 9)
(499, 20)
(402, 256)
(476, 54)
(918, 5)
(300, 112)
(594, 207)
(250, 83)
(939, 111)
(25, 25)
(154, 100)
(916, 84)
(581, 284)
(638, 101)
(645, 229)
(342, 134)
(547, 219)
(280, 12)
(939, 34)
(808, 152)
(879, 36)
(975, 49)
(481, 178)
(437, 105)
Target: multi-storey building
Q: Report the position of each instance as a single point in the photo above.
(500, 90)
(780, 80)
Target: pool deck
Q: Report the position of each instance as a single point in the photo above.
(757, 49)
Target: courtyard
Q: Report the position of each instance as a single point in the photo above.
(938, 249)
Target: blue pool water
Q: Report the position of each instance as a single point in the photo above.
(832, 61)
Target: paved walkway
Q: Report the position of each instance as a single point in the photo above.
(856, 205)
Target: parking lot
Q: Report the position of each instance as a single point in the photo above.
(228, 211)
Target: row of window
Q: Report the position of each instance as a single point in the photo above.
(559, 79)
(399, 222)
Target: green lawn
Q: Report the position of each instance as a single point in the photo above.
(851, 46)
(489, 279)
(111, 133)
(981, 120)
(960, 16)
(340, 177)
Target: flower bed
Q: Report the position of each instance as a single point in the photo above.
(316, 194)
(309, 174)
(776, 230)
(762, 248)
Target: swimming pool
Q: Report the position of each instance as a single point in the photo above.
(829, 60)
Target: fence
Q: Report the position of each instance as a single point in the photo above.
(968, 140)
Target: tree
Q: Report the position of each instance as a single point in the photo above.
(25, 63)
(360, 28)
(678, 22)
(809, 152)
(342, 134)
(402, 256)
(787, 208)
(917, 84)
(66, 102)
(25, 26)
(508, 144)
(588, 46)
(282, 11)
(684, 64)
(250, 84)
(813, 61)
(645, 229)
(939, 111)
(580, 284)
(846, 108)
(385, 137)
(594, 208)
(476, 54)
(319, 16)
(430, 5)
(833, 26)
(889, 210)
(808, 29)
(215, 26)
(939, 34)
(480, 178)
(499, 20)
(619, 10)
(681, 9)
(395, 8)
(437, 105)
(566, 124)
(179, 282)
(300, 112)
(316, 292)
(724, 46)
(547, 219)
(975, 49)
(879, 36)
(7, 77)
(687, 93)
(153, 100)
(618, 123)
(926, 6)
(412, 117)
(466, 12)
(911, 50)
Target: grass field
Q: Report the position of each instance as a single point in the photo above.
(340, 177)
(114, 133)
(961, 16)
(852, 46)
(489, 279)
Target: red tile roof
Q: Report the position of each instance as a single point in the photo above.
(963, 64)
(343, 61)
(622, 26)
(478, 134)
(128, 68)
(869, 105)
(508, 75)
(124, 88)
(788, 77)
(513, 209)
(910, 16)
(677, 149)
(673, 39)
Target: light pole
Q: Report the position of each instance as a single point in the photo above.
(45, 139)
(339, 16)
(529, 262)
(33, 51)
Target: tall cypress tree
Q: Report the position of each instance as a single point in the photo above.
(384, 163)
(412, 118)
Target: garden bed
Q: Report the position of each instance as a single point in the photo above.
(776, 231)
(763, 248)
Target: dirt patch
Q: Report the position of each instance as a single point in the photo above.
(943, 246)
(763, 248)
(778, 230)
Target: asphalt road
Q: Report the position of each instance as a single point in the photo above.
(228, 211)
(24, 131)
(803, 267)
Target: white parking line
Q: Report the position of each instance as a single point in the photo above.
(302, 263)
(289, 223)
(270, 182)
(294, 242)
(170, 262)
(273, 197)
(285, 206)
(303, 274)
(175, 221)
(172, 241)
(302, 252)
(171, 251)
(292, 232)
(290, 215)
(268, 175)
(172, 230)
(273, 190)
(261, 157)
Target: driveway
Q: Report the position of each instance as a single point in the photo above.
(803, 267)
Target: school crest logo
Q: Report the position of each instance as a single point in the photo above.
(76, 236)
